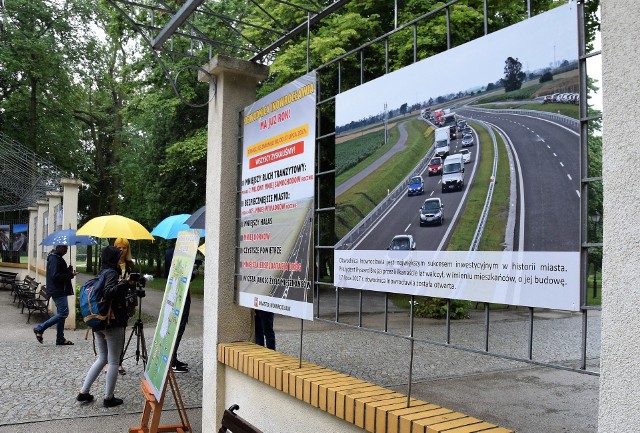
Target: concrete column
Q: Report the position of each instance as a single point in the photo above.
(70, 188)
(224, 321)
(55, 199)
(43, 207)
(32, 248)
(620, 351)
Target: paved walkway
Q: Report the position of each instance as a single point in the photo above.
(39, 382)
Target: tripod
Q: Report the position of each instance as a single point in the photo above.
(138, 330)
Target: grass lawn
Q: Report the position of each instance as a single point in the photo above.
(358, 201)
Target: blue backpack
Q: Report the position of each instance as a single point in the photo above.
(94, 309)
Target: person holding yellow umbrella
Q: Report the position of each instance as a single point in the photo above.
(115, 226)
(123, 229)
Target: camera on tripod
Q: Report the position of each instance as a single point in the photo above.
(140, 282)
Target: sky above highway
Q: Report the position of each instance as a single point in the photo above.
(537, 43)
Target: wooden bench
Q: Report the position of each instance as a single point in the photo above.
(39, 303)
(234, 423)
(371, 407)
(25, 290)
(8, 280)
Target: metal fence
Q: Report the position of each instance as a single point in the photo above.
(329, 298)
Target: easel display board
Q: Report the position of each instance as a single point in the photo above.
(164, 338)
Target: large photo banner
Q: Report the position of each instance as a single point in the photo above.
(175, 292)
(458, 177)
(278, 163)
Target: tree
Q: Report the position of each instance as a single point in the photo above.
(547, 76)
(41, 43)
(513, 75)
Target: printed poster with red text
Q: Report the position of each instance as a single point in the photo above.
(277, 201)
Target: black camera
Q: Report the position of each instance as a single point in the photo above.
(140, 282)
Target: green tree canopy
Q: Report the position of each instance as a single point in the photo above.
(513, 74)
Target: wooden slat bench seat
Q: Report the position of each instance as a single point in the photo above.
(38, 303)
(373, 408)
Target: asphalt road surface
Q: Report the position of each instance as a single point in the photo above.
(547, 158)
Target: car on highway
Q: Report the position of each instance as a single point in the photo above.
(402, 242)
(453, 173)
(416, 185)
(466, 155)
(467, 140)
(431, 212)
(435, 166)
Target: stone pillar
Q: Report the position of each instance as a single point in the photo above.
(55, 199)
(70, 188)
(32, 248)
(43, 207)
(224, 320)
(620, 351)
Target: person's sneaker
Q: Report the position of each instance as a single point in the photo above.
(113, 401)
(84, 397)
(179, 369)
(179, 363)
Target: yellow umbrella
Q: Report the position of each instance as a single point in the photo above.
(201, 248)
(114, 226)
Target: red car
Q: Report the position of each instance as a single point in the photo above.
(435, 166)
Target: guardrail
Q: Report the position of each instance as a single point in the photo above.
(357, 232)
(487, 203)
(561, 118)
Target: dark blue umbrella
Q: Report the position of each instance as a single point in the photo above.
(68, 237)
(169, 227)
(196, 220)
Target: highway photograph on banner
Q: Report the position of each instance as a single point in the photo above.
(459, 176)
(278, 162)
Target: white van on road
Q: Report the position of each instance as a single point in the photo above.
(453, 173)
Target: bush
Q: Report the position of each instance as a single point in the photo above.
(547, 76)
(436, 308)
(79, 322)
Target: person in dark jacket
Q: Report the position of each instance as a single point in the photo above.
(59, 277)
(110, 339)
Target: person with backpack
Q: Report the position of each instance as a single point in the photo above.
(59, 286)
(110, 334)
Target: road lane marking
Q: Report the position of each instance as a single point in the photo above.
(569, 176)
(561, 164)
(554, 154)
(405, 230)
(578, 192)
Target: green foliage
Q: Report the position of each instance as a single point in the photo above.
(40, 43)
(358, 201)
(436, 308)
(493, 237)
(516, 95)
(352, 152)
(513, 74)
(547, 76)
